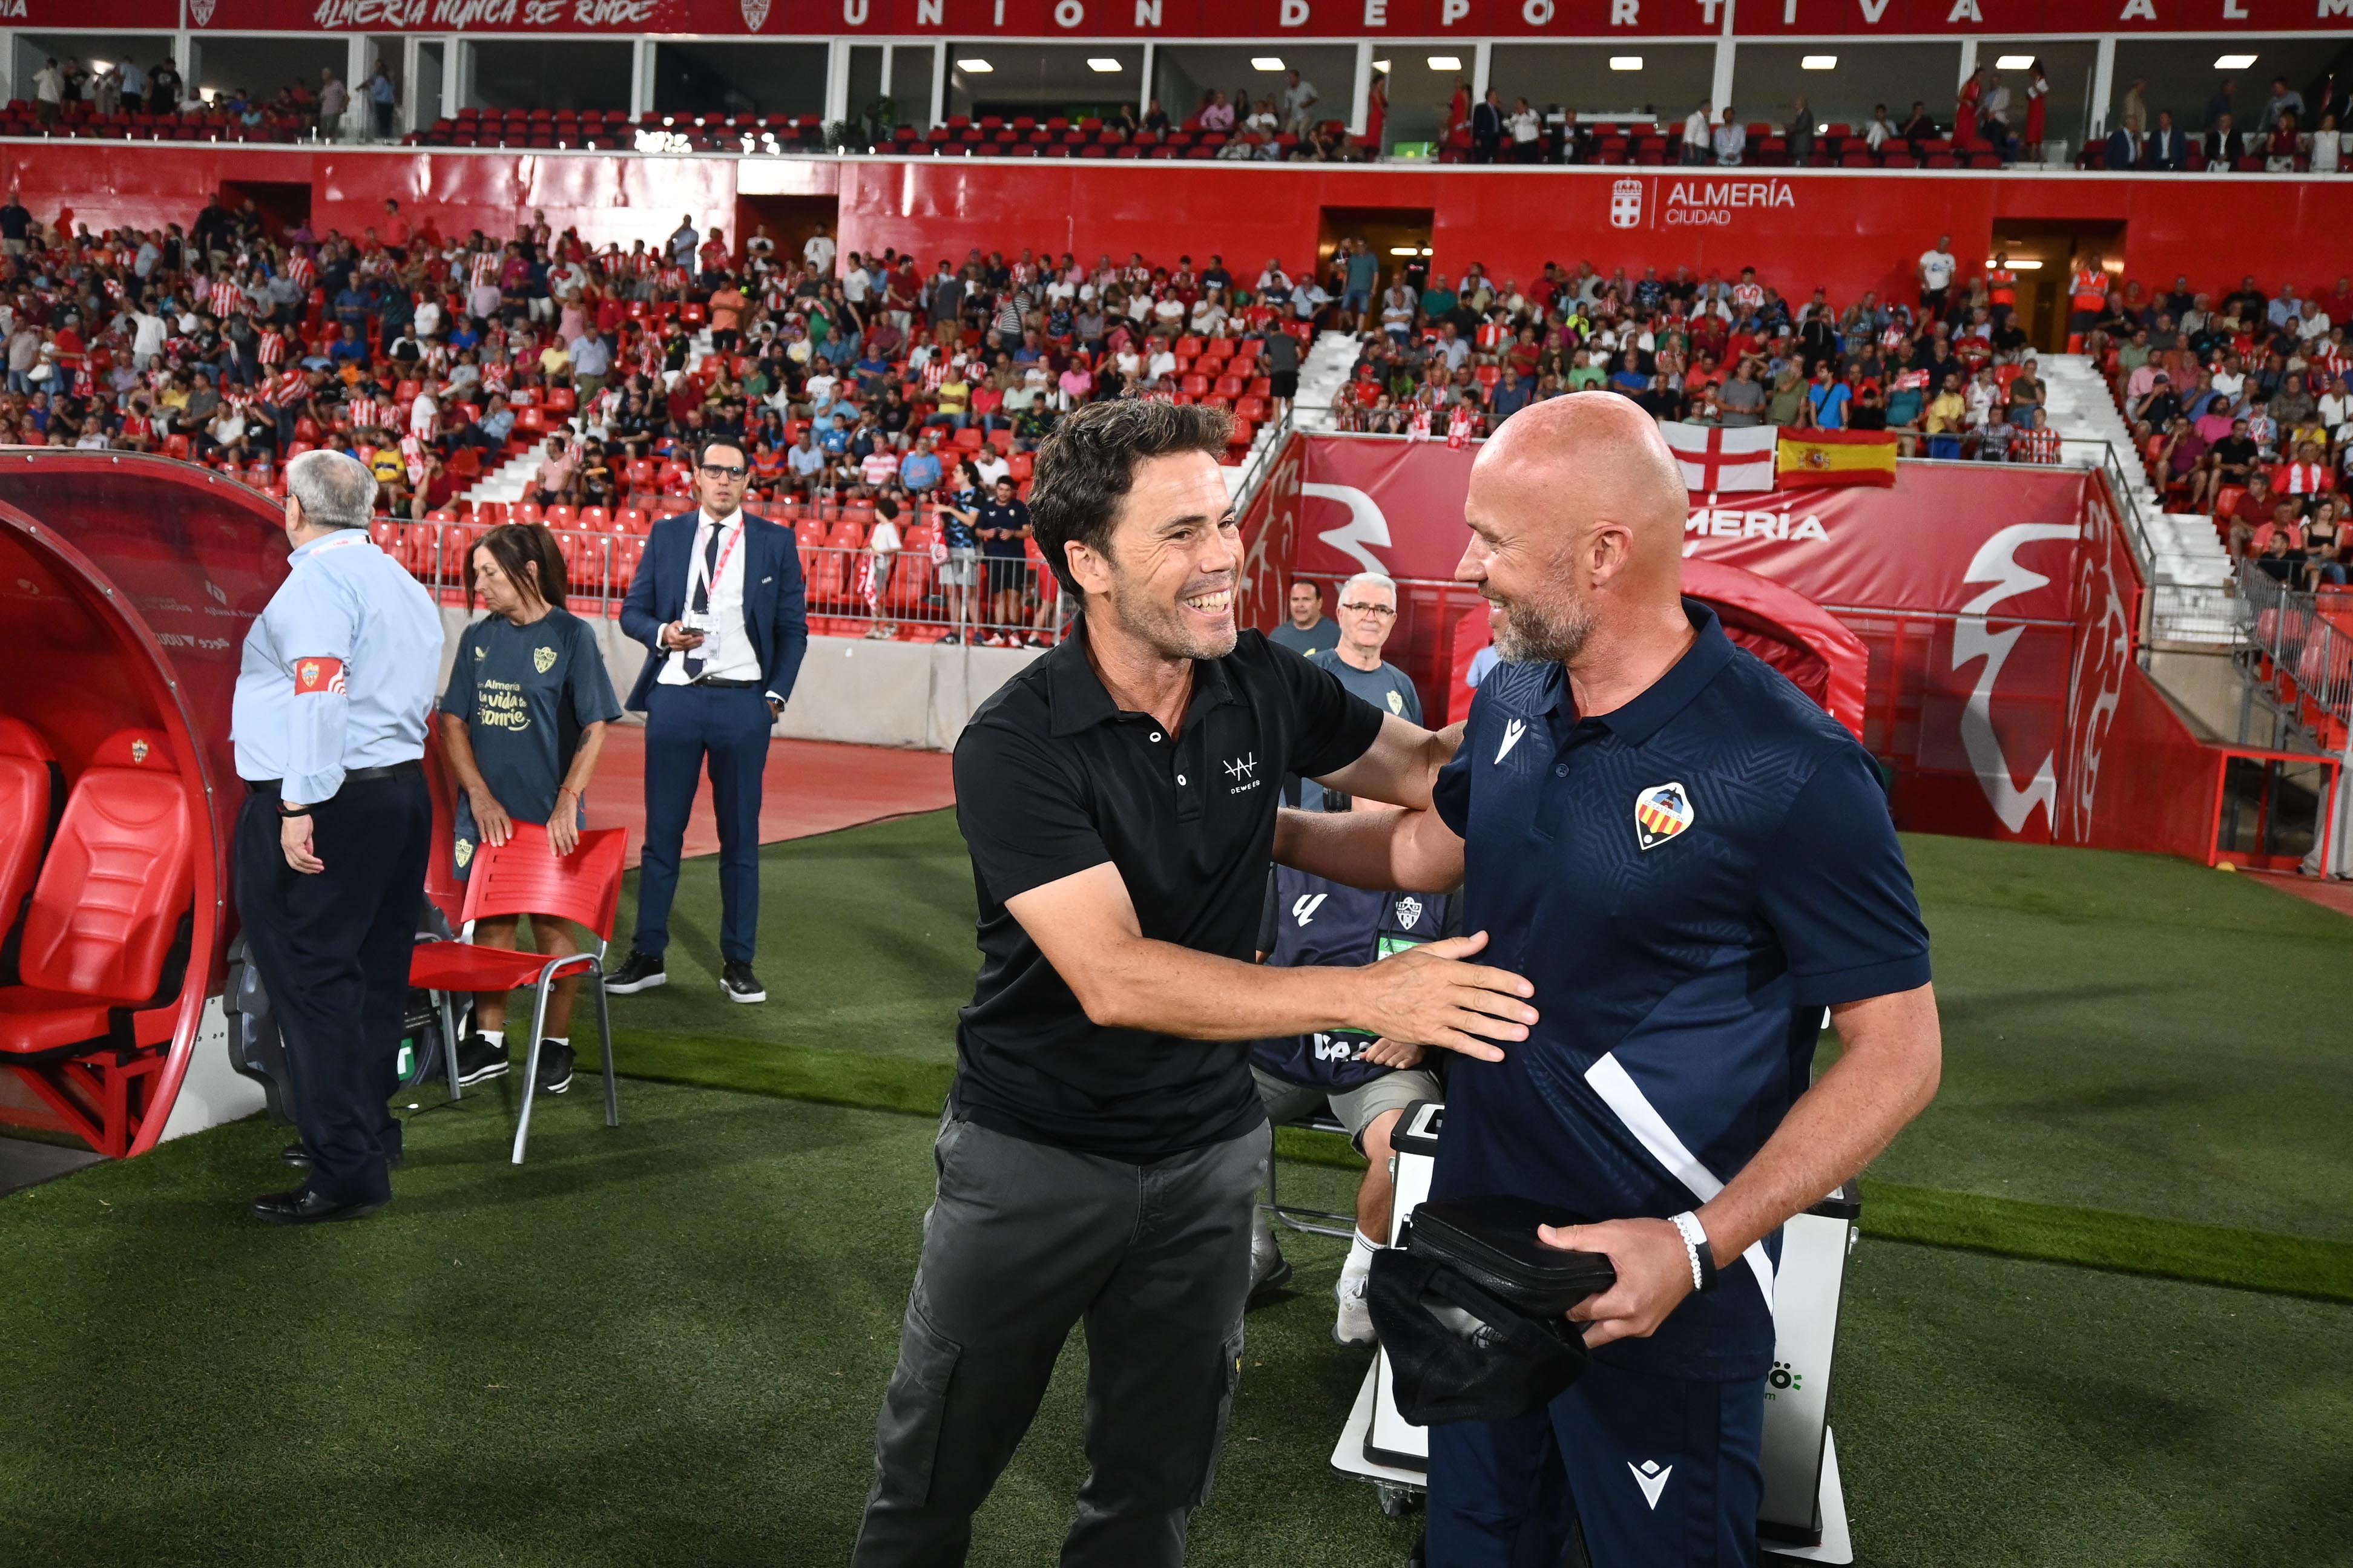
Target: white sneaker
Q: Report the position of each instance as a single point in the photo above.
(1353, 1328)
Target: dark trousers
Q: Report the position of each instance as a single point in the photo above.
(334, 949)
(1657, 1472)
(684, 726)
(1023, 1240)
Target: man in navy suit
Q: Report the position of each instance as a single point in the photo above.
(719, 601)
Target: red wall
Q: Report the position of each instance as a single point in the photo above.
(1849, 230)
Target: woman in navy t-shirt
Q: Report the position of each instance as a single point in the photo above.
(521, 725)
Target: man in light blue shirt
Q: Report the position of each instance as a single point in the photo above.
(921, 470)
(333, 693)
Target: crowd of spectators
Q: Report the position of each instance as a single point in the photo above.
(1991, 122)
(1951, 373)
(2242, 408)
(854, 379)
(122, 98)
(2285, 135)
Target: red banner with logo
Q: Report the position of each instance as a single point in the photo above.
(1270, 530)
(1465, 21)
(1947, 538)
(1964, 581)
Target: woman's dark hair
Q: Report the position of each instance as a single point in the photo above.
(1089, 462)
(528, 553)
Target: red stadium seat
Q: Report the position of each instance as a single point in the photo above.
(29, 779)
(107, 905)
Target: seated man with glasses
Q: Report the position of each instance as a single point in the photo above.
(718, 601)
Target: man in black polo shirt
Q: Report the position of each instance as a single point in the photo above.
(1102, 1147)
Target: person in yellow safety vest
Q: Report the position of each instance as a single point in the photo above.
(2087, 298)
(2002, 287)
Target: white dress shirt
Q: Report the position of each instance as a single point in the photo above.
(728, 653)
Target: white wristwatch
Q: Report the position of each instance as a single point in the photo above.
(1696, 1248)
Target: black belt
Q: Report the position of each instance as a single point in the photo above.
(725, 685)
(353, 775)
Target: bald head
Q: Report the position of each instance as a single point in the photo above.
(1576, 511)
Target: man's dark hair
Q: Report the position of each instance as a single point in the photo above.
(1089, 462)
(1311, 584)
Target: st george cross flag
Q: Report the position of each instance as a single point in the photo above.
(1715, 460)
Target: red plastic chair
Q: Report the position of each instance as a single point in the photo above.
(524, 877)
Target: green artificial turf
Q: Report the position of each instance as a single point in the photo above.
(664, 1344)
(2127, 1084)
(2134, 1033)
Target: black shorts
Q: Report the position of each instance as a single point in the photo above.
(1284, 384)
(1007, 573)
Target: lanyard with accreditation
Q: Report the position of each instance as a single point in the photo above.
(702, 620)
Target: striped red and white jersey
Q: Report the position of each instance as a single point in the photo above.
(271, 350)
(288, 387)
(369, 413)
(223, 298)
(302, 269)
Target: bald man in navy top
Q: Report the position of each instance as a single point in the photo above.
(1691, 862)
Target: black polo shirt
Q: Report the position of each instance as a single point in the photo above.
(1052, 779)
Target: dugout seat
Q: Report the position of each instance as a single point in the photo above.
(30, 784)
(106, 909)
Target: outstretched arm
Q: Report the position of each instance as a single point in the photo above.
(1086, 925)
(1400, 765)
(1382, 848)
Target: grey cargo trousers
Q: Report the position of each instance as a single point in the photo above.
(1022, 1241)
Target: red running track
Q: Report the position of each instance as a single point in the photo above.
(811, 786)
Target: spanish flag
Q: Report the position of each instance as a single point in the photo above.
(1834, 458)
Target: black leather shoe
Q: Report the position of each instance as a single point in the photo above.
(640, 972)
(739, 984)
(303, 1207)
(297, 1155)
(1270, 1270)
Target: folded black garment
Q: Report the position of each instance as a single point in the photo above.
(1469, 1308)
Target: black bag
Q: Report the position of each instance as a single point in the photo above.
(1494, 1243)
(1468, 1310)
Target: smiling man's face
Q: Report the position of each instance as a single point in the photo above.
(1175, 555)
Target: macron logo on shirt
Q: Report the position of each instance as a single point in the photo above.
(1512, 733)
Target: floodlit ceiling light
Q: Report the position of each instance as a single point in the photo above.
(982, 67)
(1102, 63)
(1382, 66)
(2233, 62)
(1445, 63)
(1819, 63)
(1625, 62)
(2020, 264)
(1266, 62)
(2013, 62)
(1404, 251)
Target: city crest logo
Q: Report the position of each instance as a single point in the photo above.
(1660, 813)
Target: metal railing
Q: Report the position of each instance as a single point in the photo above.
(2304, 640)
(917, 593)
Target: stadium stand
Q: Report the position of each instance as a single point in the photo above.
(542, 379)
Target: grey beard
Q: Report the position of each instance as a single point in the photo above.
(1530, 634)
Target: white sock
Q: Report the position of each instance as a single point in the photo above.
(496, 1036)
(557, 1040)
(1360, 1257)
